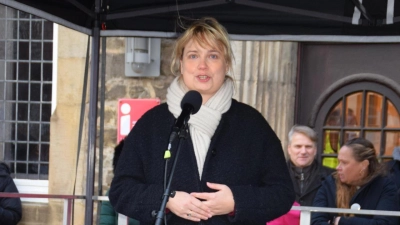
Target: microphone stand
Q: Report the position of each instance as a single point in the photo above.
(167, 191)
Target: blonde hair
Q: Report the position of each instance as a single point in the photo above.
(205, 31)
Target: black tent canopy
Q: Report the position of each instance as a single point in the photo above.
(296, 20)
(303, 20)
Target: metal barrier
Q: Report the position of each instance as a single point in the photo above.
(67, 212)
(68, 200)
(305, 211)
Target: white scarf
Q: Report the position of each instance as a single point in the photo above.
(203, 124)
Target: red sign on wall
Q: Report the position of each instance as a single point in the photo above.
(129, 111)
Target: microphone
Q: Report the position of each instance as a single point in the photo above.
(190, 104)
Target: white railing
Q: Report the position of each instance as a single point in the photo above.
(305, 211)
(68, 201)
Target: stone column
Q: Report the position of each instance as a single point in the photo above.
(265, 74)
(65, 123)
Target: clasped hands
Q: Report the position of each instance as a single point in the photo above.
(198, 206)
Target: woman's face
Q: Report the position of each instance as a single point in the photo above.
(203, 69)
(349, 170)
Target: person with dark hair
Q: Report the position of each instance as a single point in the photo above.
(231, 168)
(351, 119)
(10, 208)
(359, 182)
(108, 215)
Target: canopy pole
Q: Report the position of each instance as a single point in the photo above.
(94, 88)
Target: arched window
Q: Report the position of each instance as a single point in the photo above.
(363, 109)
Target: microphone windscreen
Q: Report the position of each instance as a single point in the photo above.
(194, 99)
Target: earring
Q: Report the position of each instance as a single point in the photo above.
(362, 171)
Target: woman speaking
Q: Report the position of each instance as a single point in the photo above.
(231, 169)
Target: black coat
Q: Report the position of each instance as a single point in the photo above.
(378, 194)
(10, 208)
(244, 154)
(394, 173)
(317, 175)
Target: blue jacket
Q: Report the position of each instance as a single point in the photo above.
(378, 194)
(244, 154)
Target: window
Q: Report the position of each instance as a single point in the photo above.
(26, 48)
(370, 113)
